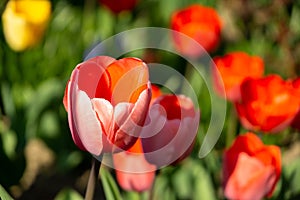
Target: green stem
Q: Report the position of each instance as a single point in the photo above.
(232, 126)
(151, 192)
(92, 179)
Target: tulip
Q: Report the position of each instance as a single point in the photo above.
(107, 101)
(170, 129)
(267, 104)
(234, 68)
(117, 6)
(133, 172)
(250, 168)
(24, 22)
(199, 23)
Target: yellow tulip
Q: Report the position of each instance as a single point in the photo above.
(24, 22)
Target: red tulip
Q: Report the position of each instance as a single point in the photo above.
(267, 104)
(250, 169)
(107, 101)
(133, 172)
(199, 23)
(170, 130)
(233, 69)
(118, 6)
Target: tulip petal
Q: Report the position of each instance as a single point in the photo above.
(132, 170)
(155, 121)
(68, 102)
(124, 139)
(167, 143)
(85, 120)
(135, 182)
(104, 111)
(90, 74)
(248, 143)
(133, 163)
(36, 12)
(65, 98)
(129, 77)
(131, 126)
(251, 179)
(105, 114)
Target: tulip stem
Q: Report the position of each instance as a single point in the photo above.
(232, 129)
(151, 192)
(90, 189)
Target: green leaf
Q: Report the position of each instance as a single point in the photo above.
(131, 195)
(292, 173)
(68, 194)
(9, 139)
(48, 91)
(294, 21)
(203, 188)
(7, 98)
(183, 184)
(4, 195)
(110, 187)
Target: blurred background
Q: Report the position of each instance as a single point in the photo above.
(38, 159)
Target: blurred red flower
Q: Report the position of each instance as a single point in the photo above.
(199, 23)
(250, 168)
(267, 104)
(117, 6)
(232, 69)
(170, 129)
(133, 172)
(107, 101)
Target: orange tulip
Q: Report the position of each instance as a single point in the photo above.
(117, 6)
(267, 104)
(233, 69)
(107, 102)
(24, 22)
(199, 23)
(250, 169)
(133, 172)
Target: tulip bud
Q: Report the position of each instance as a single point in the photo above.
(24, 22)
(267, 104)
(233, 69)
(199, 23)
(250, 168)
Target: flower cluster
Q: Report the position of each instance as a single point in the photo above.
(113, 108)
(264, 104)
(109, 111)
